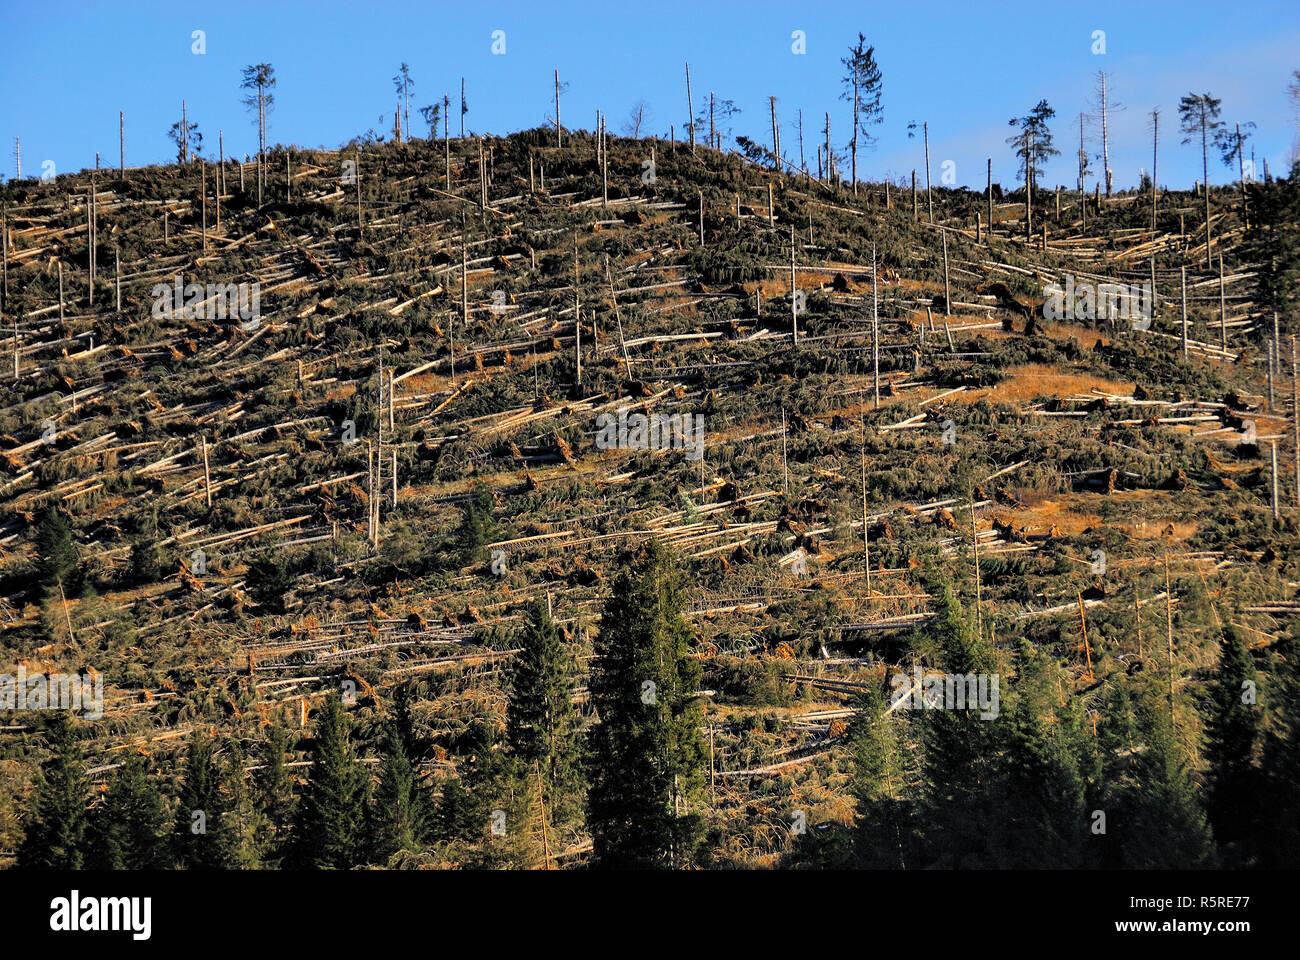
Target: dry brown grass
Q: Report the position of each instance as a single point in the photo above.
(1038, 380)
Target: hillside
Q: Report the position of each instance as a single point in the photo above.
(362, 488)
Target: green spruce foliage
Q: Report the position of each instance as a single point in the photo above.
(56, 835)
(329, 832)
(644, 805)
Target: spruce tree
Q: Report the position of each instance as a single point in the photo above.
(1042, 788)
(1232, 728)
(882, 833)
(646, 750)
(56, 552)
(960, 799)
(1280, 822)
(329, 829)
(402, 809)
(541, 720)
(128, 829)
(477, 526)
(1153, 818)
(56, 837)
(274, 792)
(201, 837)
(244, 818)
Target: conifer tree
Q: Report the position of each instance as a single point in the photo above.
(1280, 822)
(1153, 819)
(57, 563)
(56, 836)
(244, 818)
(201, 837)
(128, 829)
(541, 720)
(960, 799)
(477, 526)
(274, 791)
(1232, 729)
(329, 829)
(646, 751)
(402, 809)
(882, 827)
(1042, 789)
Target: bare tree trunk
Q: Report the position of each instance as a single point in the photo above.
(1295, 420)
(1105, 139)
(690, 107)
(1182, 271)
(1223, 308)
(776, 142)
(203, 201)
(90, 223)
(1273, 446)
(794, 311)
(875, 329)
(462, 104)
(559, 130)
(1241, 171)
(1029, 185)
(1205, 169)
(855, 132)
(577, 319)
(947, 293)
(1083, 157)
(988, 190)
(803, 164)
(121, 144)
(830, 157)
(1155, 153)
(929, 197)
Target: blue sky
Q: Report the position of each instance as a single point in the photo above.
(966, 68)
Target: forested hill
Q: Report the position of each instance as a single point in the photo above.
(366, 579)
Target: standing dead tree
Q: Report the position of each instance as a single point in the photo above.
(186, 136)
(1155, 153)
(690, 107)
(1102, 109)
(925, 134)
(559, 130)
(638, 116)
(403, 83)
